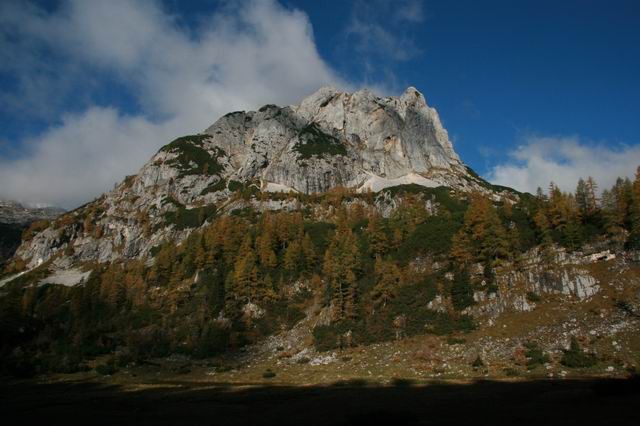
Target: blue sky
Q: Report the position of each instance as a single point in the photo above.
(529, 91)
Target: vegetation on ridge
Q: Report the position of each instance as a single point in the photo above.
(313, 141)
(192, 158)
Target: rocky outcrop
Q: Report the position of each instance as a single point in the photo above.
(519, 288)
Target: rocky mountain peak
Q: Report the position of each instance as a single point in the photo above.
(334, 138)
(357, 140)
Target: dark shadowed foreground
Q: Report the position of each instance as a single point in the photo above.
(565, 402)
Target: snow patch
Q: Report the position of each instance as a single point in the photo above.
(276, 187)
(377, 183)
(67, 277)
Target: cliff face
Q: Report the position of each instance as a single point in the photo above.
(332, 138)
(354, 140)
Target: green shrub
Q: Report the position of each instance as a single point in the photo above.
(106, 369)
(433, 236)
(402, 382)
(224, 368)
(512, 372)
(22, 367)
(477, 363)
(215, 187)
(533, 297)
(184, 218)
(214, 340)
(184, 369)
(575, 357)
(268, 374)
(535, 355)
(325, 337)
(192, 158)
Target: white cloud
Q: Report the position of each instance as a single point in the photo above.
(378, 29)
(244, 56)
(564, 160)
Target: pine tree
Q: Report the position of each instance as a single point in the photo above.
(634, 211)
(482, 237)
(592, 200)
(293, 259)
(309, 253)
(340, 266)
(377, 234)
(164, 264)
(267, 290)
(388, 280)
(582, 199)
(616, 205)
(268, 258)
(461, 291)
(246, 272)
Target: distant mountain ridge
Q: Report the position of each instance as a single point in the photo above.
(14, 218)
(17, 213)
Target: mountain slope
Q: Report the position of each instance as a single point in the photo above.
(331, 139)
(263, 234)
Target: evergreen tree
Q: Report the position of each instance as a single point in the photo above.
(388, 280)
(309, 253)
(340, 266)
(246, 272)
(293, 258)
(591, 199)
(482, 237)
(633, 241)
(461, 291)
(268, 258)
(616, 204)
(582, 197)
(377, 234)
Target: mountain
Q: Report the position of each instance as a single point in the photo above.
(331, 139)
(338, 239)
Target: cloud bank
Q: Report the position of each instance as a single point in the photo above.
(564, 160)
(179, 79)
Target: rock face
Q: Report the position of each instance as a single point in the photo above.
(566, 275)
(355, 140)
(332, 138)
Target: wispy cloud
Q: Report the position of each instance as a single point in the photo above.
(380, 33)
(564, 160)
(249, 53)
(380, 28)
